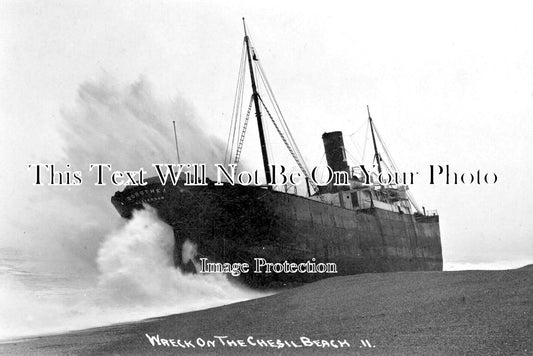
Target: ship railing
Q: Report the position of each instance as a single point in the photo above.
(432, 213)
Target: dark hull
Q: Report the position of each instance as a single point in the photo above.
(238, 224)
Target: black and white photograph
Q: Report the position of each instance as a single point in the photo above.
(266, 177)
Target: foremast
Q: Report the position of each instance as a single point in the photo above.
(255, 96)
(238, 126)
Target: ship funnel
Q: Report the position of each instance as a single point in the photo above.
(335, 154)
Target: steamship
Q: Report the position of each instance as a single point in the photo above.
(359, 227)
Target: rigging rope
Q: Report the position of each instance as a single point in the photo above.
(355, 146)
(282, 128)
(243, 133)
(237, 107)
(277, 109)
(410, 195)
(287, 144)
(366, 139)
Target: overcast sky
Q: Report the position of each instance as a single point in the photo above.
(447, 83)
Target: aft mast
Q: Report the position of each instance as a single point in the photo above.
(377, 157)
(255, 97)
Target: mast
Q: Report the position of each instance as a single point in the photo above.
(176, 139)
(377, 157)
(255, 97)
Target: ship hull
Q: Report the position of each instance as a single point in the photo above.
(239, 224)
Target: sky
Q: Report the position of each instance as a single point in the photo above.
(448, 83)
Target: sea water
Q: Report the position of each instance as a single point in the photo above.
(136, 279)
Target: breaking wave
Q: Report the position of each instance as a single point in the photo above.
(137, 280)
